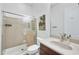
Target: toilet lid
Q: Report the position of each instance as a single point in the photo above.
(32, 47)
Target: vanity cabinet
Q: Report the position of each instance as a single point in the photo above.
(44, 50)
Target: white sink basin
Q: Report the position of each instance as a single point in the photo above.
(62, 45)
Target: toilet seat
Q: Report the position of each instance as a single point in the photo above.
(33, 49)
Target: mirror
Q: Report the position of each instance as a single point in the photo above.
(65, 19)
(71, 21)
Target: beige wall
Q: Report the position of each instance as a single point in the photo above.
(13, 35)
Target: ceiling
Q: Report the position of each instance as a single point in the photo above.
(41, 4)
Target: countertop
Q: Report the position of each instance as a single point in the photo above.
(47, 42)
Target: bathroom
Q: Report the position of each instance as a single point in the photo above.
(39, 28)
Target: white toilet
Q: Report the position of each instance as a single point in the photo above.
(32, 48)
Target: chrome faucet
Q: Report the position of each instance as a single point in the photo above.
(68, 37)
(63, 37)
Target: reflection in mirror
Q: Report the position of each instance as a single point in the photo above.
(71, 21)
(65, 20)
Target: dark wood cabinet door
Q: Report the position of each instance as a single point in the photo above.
(47, 51)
